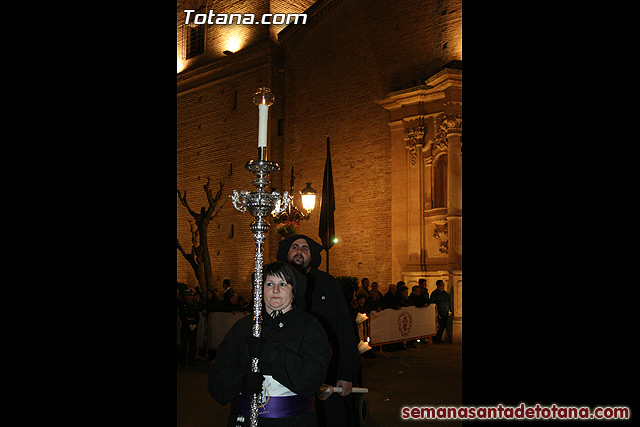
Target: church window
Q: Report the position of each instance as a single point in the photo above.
(440, 182)
(195, 38)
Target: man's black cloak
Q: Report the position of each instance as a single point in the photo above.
(320, 294)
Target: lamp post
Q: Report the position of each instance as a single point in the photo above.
(260, 204)
(292, 213)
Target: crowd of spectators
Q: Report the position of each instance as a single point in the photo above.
(361, 299)
(190, 303)
(364, 300)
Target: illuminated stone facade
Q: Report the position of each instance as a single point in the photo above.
(426, 128)
(384, 80)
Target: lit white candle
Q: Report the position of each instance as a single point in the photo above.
(263, 98)
(263, 113)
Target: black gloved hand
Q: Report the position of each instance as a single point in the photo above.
(252, 382)
(256, 345)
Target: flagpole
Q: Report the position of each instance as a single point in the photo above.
(327, 260)
(326, 228)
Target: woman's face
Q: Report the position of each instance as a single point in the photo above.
(277, 294)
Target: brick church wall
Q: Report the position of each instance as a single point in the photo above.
(336, 69)
(350, 54)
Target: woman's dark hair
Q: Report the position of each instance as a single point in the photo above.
(283, 271)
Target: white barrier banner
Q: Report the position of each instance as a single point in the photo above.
(219, 324)
(398, 325)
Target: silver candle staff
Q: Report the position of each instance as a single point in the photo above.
(260, 204)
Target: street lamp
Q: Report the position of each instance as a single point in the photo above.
(293, 214)
(308, 198)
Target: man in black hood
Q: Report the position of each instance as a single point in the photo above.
(320, 294)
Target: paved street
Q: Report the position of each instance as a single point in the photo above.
(430, 375)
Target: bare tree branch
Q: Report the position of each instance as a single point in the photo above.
(213, 200)
(199, 257)
(215, 214)
(189, 257)
(183, 200)
(194, 236)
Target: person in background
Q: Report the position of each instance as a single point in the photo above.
(375, 300)
(212, 301)
(422, 283)
(212, 304)
(374, 285)
(364, 288)
(189, 323)
(231, 304)
(390, 300)
(403, 295)
(197, 301)
(320, 294)
(227, 290)
(441, 299)
(201, 309)
(363, 305)
(416, 298)
(418, 301)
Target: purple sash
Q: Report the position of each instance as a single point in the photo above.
(276, 407)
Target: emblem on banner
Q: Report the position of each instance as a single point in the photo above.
(404, 323)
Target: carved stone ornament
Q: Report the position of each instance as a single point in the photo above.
(451, 123)
(413, 137)
(413, 154)
(440, 141)
(441, 233)
(446, 124)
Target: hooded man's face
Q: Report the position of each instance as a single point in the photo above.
(299, 254)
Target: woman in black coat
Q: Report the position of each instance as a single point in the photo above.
(293, 353)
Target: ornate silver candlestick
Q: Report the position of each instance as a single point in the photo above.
(260, 204)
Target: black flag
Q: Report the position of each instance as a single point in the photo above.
(327, 231)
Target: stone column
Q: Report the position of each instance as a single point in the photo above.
(452, 125)
(453, 129)
(413, 137)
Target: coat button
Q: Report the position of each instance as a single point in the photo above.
(281, 325)
(322, 296)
